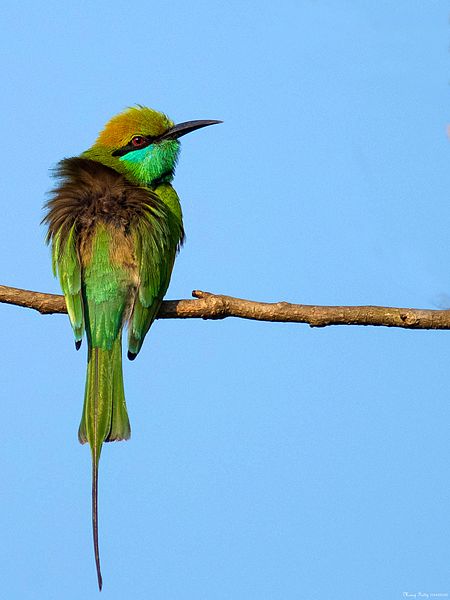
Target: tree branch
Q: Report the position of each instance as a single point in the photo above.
(212, 306)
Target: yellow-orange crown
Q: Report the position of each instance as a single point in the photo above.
(137, 120)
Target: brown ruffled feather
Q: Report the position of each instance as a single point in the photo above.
(90, 192)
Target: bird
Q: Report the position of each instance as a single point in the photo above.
(114, 223)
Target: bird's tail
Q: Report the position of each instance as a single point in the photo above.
(105, 417)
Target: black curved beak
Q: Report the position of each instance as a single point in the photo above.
(183, 128)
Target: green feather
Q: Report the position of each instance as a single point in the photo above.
(155, 255)
(66, 264)
(104, 418)
(106, 290)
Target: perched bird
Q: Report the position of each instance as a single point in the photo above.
(115, 225)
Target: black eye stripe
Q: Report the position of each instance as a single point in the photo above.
(130, 148)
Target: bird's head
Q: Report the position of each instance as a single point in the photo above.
(142, 144)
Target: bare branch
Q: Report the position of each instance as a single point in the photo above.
(212, 306)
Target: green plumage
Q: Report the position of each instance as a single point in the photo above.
(105, 416)
(66, 263)
(115, 225)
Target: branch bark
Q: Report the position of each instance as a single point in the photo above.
(218, 306)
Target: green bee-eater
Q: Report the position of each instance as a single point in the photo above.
(115, 225)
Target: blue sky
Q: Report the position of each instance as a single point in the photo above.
(268, 461)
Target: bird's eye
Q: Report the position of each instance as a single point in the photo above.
(138, 141)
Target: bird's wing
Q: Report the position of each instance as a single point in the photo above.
(155, 248)
(66, 264)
